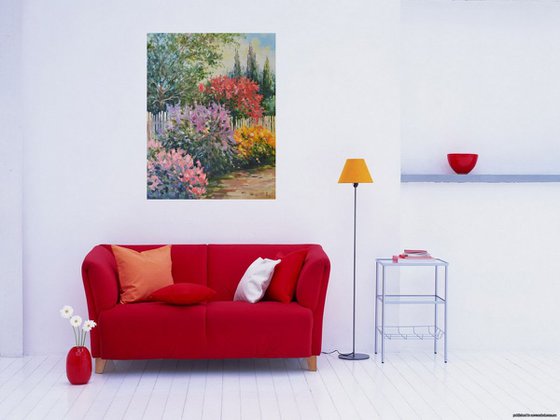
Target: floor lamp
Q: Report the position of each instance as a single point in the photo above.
(355, 172)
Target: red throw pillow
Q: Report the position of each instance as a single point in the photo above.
(283, 284)
(182, 294)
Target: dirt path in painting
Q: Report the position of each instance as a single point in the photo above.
(245, 185)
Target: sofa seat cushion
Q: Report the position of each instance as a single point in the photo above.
(152, 330)
(264, 329)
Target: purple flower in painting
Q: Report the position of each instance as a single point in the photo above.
(175, 115)
(204, 132)
(214, 118)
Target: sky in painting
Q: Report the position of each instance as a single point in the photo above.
(263, 44)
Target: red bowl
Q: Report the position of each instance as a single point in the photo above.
(462, 163)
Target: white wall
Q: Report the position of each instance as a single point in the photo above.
(481, 77)
(338, 96)
(84, 107)
(502, 245)
(11, 166)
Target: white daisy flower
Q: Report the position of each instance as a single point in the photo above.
(76, 321)
(66, 311)
(89, 325)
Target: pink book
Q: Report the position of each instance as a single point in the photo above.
(416, 257)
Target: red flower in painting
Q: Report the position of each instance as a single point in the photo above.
(239, 95)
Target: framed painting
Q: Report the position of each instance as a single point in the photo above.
(211, 116)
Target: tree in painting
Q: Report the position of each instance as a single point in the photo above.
(252, 68)
(236, 65)
(268, 89)
(177, 62)
(211, 122)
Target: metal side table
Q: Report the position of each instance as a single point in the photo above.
(410, 332)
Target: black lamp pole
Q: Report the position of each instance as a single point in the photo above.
(354, 355)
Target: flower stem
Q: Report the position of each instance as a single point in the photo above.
(75, 336)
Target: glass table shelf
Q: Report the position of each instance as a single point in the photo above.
(411, 299)
(428, 262)
(412, 332)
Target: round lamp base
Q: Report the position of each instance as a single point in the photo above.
(353, 356)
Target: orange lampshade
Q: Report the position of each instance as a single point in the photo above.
(355, 171)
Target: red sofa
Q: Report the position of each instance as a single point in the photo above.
(218, 329)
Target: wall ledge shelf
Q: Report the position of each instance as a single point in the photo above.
(454, 178)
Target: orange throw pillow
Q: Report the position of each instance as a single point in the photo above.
(141, 273)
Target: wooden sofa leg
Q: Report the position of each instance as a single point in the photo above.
(312, 363)
(100, 365)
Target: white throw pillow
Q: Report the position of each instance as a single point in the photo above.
(255, 281)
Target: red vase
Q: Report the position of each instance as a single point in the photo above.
(78, 365)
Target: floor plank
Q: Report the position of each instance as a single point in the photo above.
(517, 381)
(441, 383)
(283, 389)
(194, 402)
(409, 385)
(5, 362)
(385, 379)
(345, 371)
(141, 397)
(104, 399)
(442, 403)
(157, 400)
(268, 400)
(248, 390)
(119, 404)
(179, 388)
(376, 390)
(307, 406)
(415, 396)
(534, 368)
(213, 394)
(338, 393)
(497, 386)
(322, 397)
(231, 399)
(13, 396)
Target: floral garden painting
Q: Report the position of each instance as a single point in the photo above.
(211, 116)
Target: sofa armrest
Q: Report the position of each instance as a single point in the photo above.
(311, 291)
(99, 274)
(312, 283)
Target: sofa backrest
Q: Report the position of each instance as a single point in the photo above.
(188, 261)
(218, 266)
(227, 263)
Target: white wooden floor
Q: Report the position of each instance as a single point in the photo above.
(407, 386)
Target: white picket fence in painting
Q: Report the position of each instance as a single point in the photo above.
(156, 122)
(268, 122)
